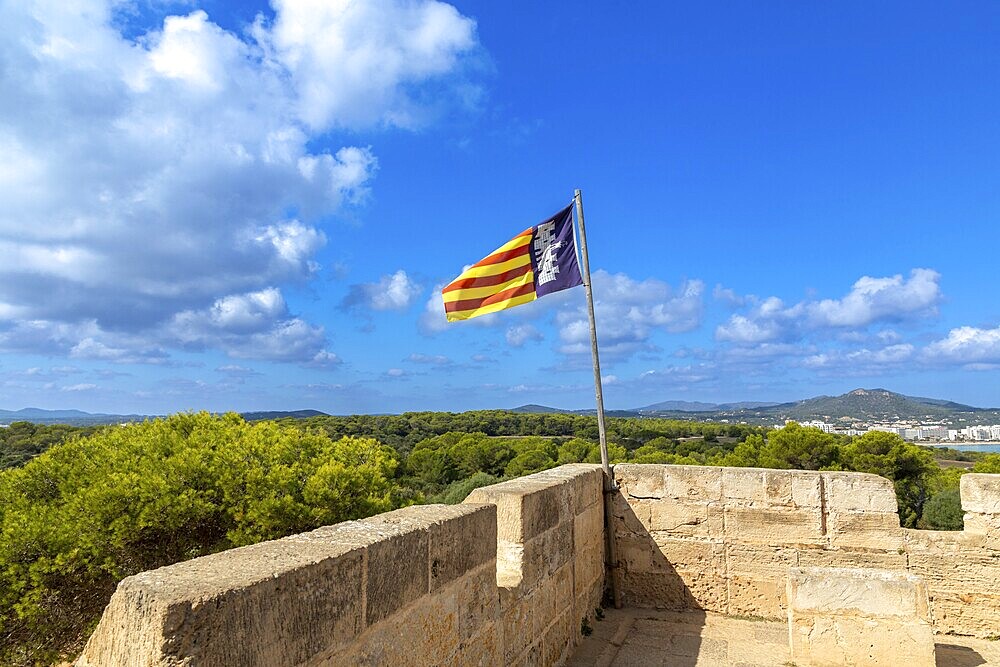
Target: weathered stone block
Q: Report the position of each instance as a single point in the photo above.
(656, 590)
(959, 571)
(459, 537)
(631, 516)
(558, 640)
(275, 603)
(516, 617)
(526, 506)
(478, 601)
(545, 554)
(690, 555)
(874, 594)
(588, 567)
(790, 525)
(698, 483)
(855, 491)
(870, 530)
(760, 560)
(687, 519)
(761, 487)
(840, 616)
(640, 481)
(841, 557)
(479, 651)
(743, 486)
(965, 613)
(756, 595)
(830, 641)
(462, 542)
(588, 528)
(397, 572)
(981, 493)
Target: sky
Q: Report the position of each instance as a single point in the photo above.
(251, 206)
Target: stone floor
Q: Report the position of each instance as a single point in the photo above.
(650, 638)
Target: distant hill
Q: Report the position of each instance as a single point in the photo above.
(533, 408)
(71, 417)
(80, 418)
(696, 406)
(863, 405)
(868, 405)
(680, 406)
(278, 414)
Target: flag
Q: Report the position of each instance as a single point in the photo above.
(538, 261)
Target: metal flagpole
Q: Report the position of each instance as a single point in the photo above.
(609, 482)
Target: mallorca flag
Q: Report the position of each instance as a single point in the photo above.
(538, 261)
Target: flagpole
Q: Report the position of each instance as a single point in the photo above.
(609, 482)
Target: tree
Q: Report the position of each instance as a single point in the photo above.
(799, 448)
(943, 512)
(989, 464)
(911, 468)
(88, 512)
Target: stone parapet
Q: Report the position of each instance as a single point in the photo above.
(550, 560)
(416, 586)
(723, 540)
(847, 617)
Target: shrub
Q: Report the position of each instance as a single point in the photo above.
(86, 513)
(943, 512)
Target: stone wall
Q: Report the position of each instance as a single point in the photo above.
(424, 585)
(723, 540)
(550, 560)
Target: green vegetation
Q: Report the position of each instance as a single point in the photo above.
(22, 441)
(107, 503)
(85, 514)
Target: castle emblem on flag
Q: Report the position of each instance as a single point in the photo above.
(538, 261)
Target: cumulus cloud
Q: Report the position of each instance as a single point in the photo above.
(432, 359)
(520, 334)
(628, 311)
(160, 180)
(969, 346)
(862, 361)
(391, 292)
(870, 301)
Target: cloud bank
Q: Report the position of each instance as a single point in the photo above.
(160, 190)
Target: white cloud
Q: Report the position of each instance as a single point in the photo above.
(145, 179)
(861, 361)
(870, 301)
(520, 334)
(255, 325)
(79, 387)
(391, 292)
(432, 359)
(880, 299)
(628, 311)
(967, 346)
(728, 296)
(354, 63)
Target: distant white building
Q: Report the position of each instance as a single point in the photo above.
(823, 426)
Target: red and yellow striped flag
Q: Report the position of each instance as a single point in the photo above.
(538, 261)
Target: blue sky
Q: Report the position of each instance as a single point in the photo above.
(239, 206)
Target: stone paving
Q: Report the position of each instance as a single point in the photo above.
(651, 638)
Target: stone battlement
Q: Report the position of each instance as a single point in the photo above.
(723, 540)
(510, 576)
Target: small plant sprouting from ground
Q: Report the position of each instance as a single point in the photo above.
(599, 613)
(585, 628)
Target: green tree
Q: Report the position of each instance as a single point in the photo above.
(800, 448)
(86, 513)
(943, 512)
(989, 464)
(911, 468)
